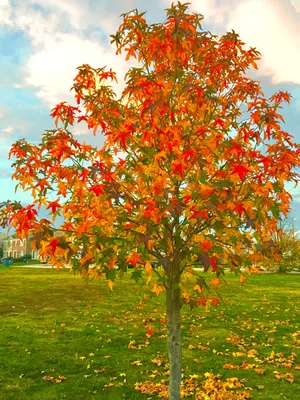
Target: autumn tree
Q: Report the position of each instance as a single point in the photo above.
(192, 171)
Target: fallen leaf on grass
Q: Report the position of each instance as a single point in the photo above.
(48, 378)
(288, 376)
(212, 388)
(98, 371)
(156, 362)
(259, 371)
(108, 385)
(59, 379)
(137, 362)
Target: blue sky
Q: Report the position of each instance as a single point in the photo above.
(43, 41)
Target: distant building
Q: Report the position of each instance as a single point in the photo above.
(3, 236)
(14, 247)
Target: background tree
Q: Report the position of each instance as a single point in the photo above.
(192, 171)
(285, 256)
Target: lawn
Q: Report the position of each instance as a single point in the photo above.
(28, 262)
(64, 338)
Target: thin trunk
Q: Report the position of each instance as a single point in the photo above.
(174, 341)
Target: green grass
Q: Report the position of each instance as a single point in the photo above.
(54, 324)
(29, 262)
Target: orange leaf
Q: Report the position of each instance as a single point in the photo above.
(242, 279)
(215, 282)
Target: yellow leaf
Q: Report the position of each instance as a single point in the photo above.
(148, 267)
(157, 289)
(111, 284)
(137, 362)
(198, 289)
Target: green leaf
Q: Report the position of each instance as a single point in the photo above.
(233, 239)
(201, 282)
(277, 186)
(136, 274)
(203, 177)
(111, 274)
(275, 211)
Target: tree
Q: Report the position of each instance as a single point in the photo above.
(285, 256)
(192, 170)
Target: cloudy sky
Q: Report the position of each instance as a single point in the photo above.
(43, 41)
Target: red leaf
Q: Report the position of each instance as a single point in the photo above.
(97, 189)
(240, 169)
(204, 214)
(54, 205)
(53, 244)
(206, 246)
(213, 262)
(178, 167)
(239, 208)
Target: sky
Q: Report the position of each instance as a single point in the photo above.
(43, 41)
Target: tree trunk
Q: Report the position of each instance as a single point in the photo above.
(174, 340)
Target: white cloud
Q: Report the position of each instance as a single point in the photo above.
(296, 5)
(273, 27)
(213, 12)
(5, 9)
(59, 44)
(53, 68)
(80, 129)
(9, 129)
(267, 26)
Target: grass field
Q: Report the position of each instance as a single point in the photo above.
(29, 262)
(64, 338)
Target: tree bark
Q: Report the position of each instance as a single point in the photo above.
(174, 340)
